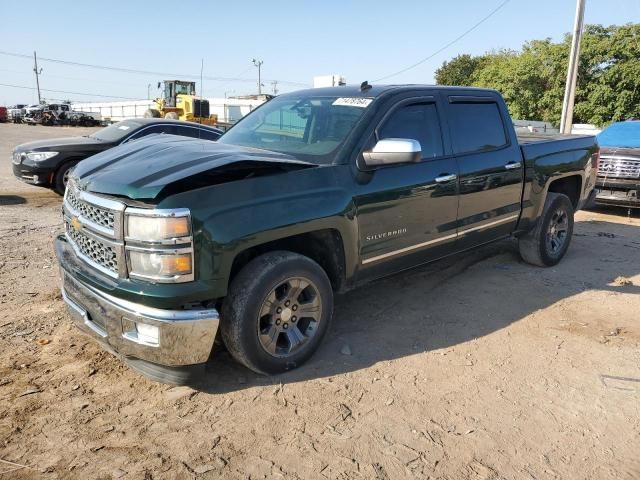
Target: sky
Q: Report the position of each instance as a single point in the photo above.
(295, 40)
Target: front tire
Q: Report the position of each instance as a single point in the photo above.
(62, 177)
(277, 312)
(151, 113)
(171, 116)
(548, 242)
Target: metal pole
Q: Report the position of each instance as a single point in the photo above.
(258, 63)
(37, 72)
(566, 120)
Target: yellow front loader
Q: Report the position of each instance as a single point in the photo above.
(179, 102)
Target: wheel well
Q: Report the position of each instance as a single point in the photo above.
(323, 246)
(570, 186)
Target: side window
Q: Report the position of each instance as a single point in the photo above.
(150, 131)
(476, 127)
(417, 121)
(195, 132)
(65, 108)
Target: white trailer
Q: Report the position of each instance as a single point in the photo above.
(228, 110)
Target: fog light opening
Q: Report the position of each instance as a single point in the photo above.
(148, 333)
(139, 332)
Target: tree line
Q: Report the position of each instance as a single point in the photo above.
(532, 80)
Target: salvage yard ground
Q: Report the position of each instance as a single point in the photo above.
(479, 368)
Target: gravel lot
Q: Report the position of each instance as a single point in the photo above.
(478, 368)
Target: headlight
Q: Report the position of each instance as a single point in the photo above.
(159, 265)
(147, 228)
(40, 156)
(159, 244)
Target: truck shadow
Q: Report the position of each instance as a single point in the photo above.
(450, 302)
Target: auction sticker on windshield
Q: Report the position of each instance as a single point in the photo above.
(352, 102)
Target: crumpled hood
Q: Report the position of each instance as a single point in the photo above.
(142, 169)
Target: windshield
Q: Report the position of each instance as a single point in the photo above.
(311, 128)
(623, 134)
(116, 131)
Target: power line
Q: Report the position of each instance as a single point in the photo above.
(67, 92)
(455, 40)
(141, 72)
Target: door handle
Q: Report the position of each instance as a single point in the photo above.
(513, 165)
(445, 178)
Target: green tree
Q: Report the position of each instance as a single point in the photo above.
(459, 70)
(532, 80)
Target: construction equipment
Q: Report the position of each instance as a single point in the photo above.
(179, 102)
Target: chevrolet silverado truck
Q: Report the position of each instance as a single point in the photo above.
(170, 242)
(618, 181)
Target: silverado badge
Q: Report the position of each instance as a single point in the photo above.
(391, 233)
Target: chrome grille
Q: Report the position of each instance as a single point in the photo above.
(619, 167)
(97, 215)
(93, 249)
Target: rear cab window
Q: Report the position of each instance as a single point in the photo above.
(476, 125)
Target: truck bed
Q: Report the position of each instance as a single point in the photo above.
(534, 146)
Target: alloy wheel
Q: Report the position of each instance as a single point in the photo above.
(289, 316)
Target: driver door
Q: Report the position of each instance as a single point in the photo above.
(407, 213)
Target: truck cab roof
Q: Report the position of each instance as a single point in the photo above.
(373, 91)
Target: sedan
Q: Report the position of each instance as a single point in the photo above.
(47, 163)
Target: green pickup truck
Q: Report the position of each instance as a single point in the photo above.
(170, 243)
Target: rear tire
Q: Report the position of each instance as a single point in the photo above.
(548, 242)
(277, 312)
(171, 116)
(151, 113)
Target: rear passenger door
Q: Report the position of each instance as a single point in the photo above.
(490, 168)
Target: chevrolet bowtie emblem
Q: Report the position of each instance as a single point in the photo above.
(75, 223)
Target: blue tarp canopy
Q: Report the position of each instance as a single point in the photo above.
(621, 134)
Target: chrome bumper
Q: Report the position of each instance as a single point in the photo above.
(185, 337)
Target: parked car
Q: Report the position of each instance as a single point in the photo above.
(618, 180)
(15, 113)
(3, 114)
(169, 242)
(47, 163)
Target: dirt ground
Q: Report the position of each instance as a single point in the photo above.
(478, 368)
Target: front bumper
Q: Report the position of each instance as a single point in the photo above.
(618, 192)
(184, 337)
(25, 173)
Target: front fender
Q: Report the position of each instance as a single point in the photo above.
(231, 218)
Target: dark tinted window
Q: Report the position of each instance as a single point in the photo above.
(418, 122)
(196, 132)
(476, 127)
(151, 130)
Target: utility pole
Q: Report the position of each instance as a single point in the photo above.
(274, 84)
(566, 120)
(37, 72)
(148, 91)
(258, 63)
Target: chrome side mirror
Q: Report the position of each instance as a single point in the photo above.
(392, 151)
